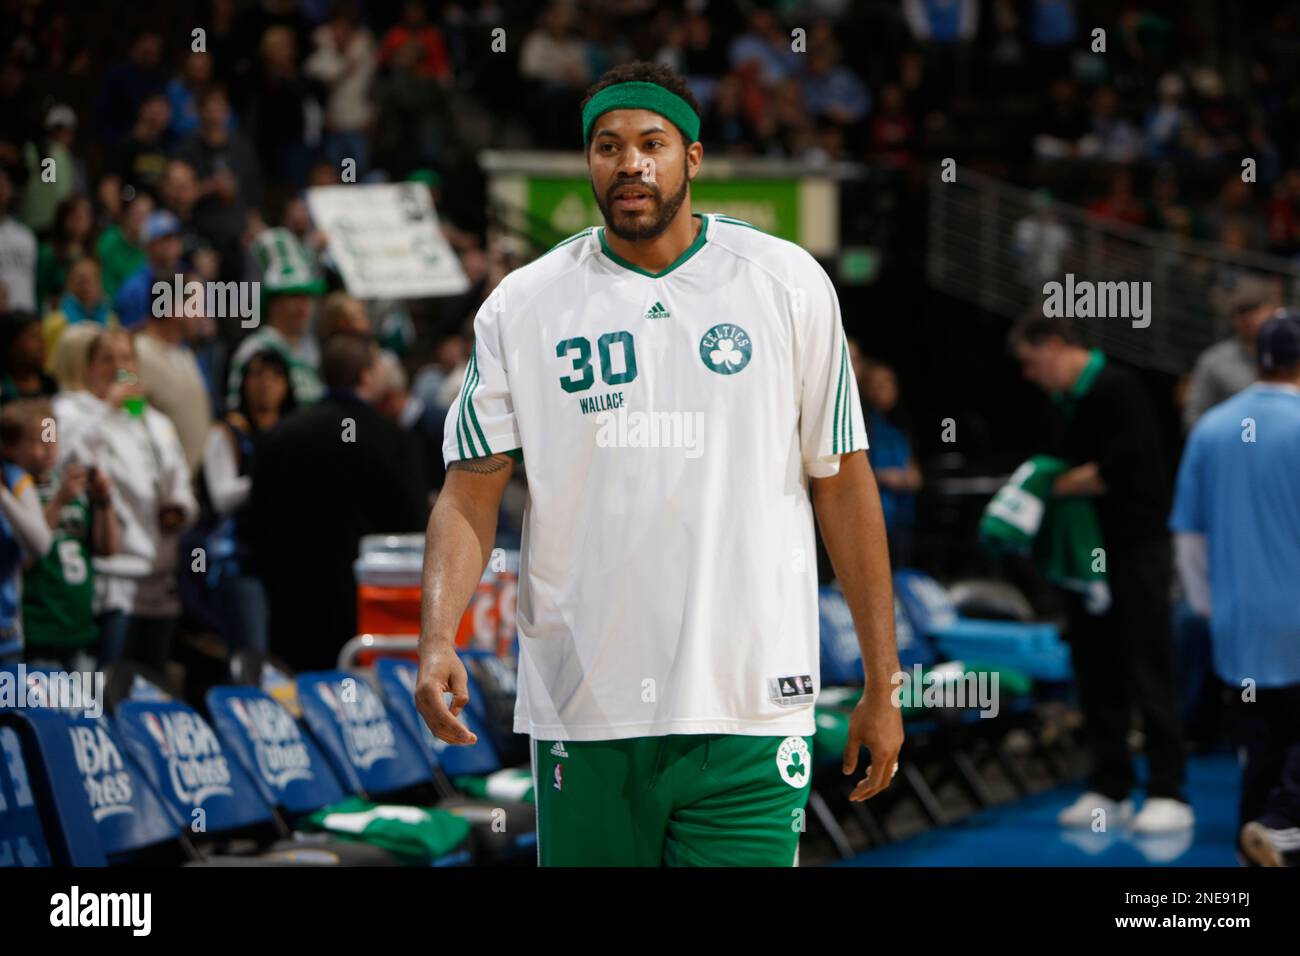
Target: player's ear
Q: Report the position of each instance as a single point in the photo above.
(694, 156)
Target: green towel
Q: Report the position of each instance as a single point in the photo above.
(1062, 533)
(513, 784)
(417, 835)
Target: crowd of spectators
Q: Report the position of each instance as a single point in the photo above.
(136, 152)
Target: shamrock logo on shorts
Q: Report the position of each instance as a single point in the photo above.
(793, 760)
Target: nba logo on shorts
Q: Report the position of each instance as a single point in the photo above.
(559, 776)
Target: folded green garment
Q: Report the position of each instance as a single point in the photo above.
(416, 835)
(1062, 533)
(514, 784)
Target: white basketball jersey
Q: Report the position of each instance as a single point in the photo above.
(668, 425)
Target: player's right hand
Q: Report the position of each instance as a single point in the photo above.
(442, 672)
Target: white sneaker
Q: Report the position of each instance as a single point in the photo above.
(1163, 815)
(1083, 811)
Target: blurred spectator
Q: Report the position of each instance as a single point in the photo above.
(342, 313)
(723, 125)
(139, 161)
(24, 535)
(19, 119)
(68, 363)
(1123, 658)
(1120, 205)
(554, 59)
(422, 425)
(229, 183)
(431, 383)
(83, 302)
(703, 49)
(1224, 369)
(1167, 208)
(765, 49)
(297, 219)
(1169, 128)
(892, 130)
(1052, 30)
(1063, 126)
(892, 459)
(342, 459)
(414, 28)
(1111, 137)
(170, 376)
(945, 29)
(1039, 241)
(22, 358)
(1234, 210)
(183, 94)
(120, 249)
(47, 189)
(178, 193)
(1283, 215)
(58, 586)
(1236, 519)
(345, 61)
(109, 425)
(128, 84)
(414, 122)
(1220, 127)
(239, 598)
(833, 92)
(286, 118)
(17, 253)
(162, 238)
(290, 288)
(69, 241)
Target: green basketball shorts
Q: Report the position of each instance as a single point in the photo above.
(677, 800)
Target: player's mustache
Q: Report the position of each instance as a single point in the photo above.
(652, 188)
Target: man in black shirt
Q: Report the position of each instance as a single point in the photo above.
(1123, 659)
(324, 478)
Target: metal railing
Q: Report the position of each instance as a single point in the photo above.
(996, 245)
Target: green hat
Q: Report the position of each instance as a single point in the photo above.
(429, 177)
(287, 269)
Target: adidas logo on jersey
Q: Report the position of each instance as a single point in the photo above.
(557, 749)
(657, 311)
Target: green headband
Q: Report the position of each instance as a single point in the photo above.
(637, 95)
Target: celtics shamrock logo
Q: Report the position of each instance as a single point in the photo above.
(726, 349)
(794, 761)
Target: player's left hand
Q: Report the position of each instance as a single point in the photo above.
(877, 725)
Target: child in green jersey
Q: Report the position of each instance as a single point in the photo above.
(58, 588)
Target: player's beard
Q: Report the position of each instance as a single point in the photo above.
(640, 229)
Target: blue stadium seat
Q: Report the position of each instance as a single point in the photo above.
(1034, 648)
(99, 808)
(22, 837)
(286, 764)
(376, 756)
(213, 795)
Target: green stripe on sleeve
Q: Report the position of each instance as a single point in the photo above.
(473, 415)
(839, 394)
(848, 395)
(461, 425)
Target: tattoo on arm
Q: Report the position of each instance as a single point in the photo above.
(481, 466)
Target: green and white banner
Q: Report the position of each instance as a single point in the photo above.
(384, 239)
